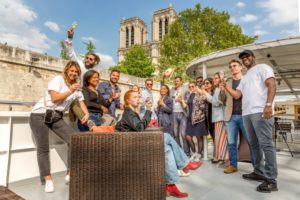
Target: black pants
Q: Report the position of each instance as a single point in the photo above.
(40, 131)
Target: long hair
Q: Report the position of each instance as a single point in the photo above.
(167, 87)
(211, 82)
(66, 69)
(88, 75)
(127, 96)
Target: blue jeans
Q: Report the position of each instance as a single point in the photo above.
(175, 159)
(179, 128)
(260, 137)
(95, 117)
(233, 126)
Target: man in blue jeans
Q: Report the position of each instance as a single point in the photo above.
(258, 89)
(233, 117)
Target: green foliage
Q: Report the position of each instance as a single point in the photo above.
(63, 53)
(136, 63)
(90, 47)
(197, 32)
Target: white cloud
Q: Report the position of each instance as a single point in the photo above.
(52, 26)
(232, 20)
(290, 33)
(260, 32)
(248, 18)
(280, 12)
(240, 4)
(106, 61)
(16, 30)
(86, 39)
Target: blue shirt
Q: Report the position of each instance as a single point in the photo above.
(105, 89)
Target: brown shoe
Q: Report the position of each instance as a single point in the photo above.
(230, 170)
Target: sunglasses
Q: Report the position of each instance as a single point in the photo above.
(192, 86)
(150, 84)
(206, 83)
(90, 58)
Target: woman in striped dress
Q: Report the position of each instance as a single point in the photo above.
(217, 99)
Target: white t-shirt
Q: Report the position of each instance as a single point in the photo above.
(254, 89)
(57, 84)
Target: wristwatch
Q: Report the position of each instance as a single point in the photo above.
(268, 104)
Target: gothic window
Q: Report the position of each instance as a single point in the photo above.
(166, 26)
(160, 29)
(127, 37)
(132, 35)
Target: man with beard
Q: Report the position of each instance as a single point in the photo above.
(90, 62)
(258, 89)
(110, 88)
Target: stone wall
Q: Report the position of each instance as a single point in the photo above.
(25, 76)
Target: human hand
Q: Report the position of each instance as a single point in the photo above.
(267, 114)
(104, 109)
(70, 32)
(75, 87)
(161, 102)
(85, 118)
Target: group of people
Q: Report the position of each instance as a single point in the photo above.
(211, 106)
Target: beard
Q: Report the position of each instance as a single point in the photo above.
(88, 66)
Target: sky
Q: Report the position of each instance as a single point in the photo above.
(39, 25)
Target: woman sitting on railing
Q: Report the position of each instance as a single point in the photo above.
(175, 158)
(94, 100)
(48, 114)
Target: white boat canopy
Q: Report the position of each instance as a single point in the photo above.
(282, 55)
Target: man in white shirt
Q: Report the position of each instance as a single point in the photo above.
(258, 89)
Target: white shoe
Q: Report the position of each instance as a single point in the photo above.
(49, 186)
(181, 173)
(193, 156)
(197, 157)
(67, 178)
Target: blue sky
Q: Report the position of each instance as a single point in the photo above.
(39, 25)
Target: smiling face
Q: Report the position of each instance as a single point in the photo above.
(72, 73)
(164, 90)
(177, 82)
(90, 61)
(192, 87)
(114, 77)
(149, 85)
(208, 85)
(94, 80)
(248, 61)
(217, 80)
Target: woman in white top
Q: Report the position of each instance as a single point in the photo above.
(48, 114)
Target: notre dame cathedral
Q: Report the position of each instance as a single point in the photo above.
(134, 31)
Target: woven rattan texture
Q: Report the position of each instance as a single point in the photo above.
(120, 166)
(6, 194)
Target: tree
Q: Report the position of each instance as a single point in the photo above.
(136, 62)
(90, 47)
(63, 53)
(197, 32)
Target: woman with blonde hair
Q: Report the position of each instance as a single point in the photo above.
(48, 114)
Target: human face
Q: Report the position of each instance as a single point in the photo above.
(199, 81)
(94, 80)
(72, 73)
(135, 88)
(216, 80)
(192, 87)
(163, 91)
(177, 82)
(90, 61)
(114, 77)
(248, 61)
(207, 85)
(134, 99)
(149, 85)
(235, 68)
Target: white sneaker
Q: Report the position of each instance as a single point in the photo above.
(181, 173)
(49, 186)
(67, 178)
(193, 156)
(197, 157)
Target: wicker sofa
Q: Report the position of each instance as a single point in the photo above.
(118, 166)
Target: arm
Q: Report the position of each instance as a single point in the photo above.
(88, 100)
(167, 105)
(57, 97)
(213, 99)
(101, 88)
(270, 83)
(135, 123)
(85, 111)
(69, 45)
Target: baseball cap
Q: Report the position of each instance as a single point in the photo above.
(246, 52)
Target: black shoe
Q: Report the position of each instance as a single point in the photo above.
(267, 187)
(253, 176)
(214, 161)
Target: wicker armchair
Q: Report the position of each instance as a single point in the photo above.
(119, 166)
